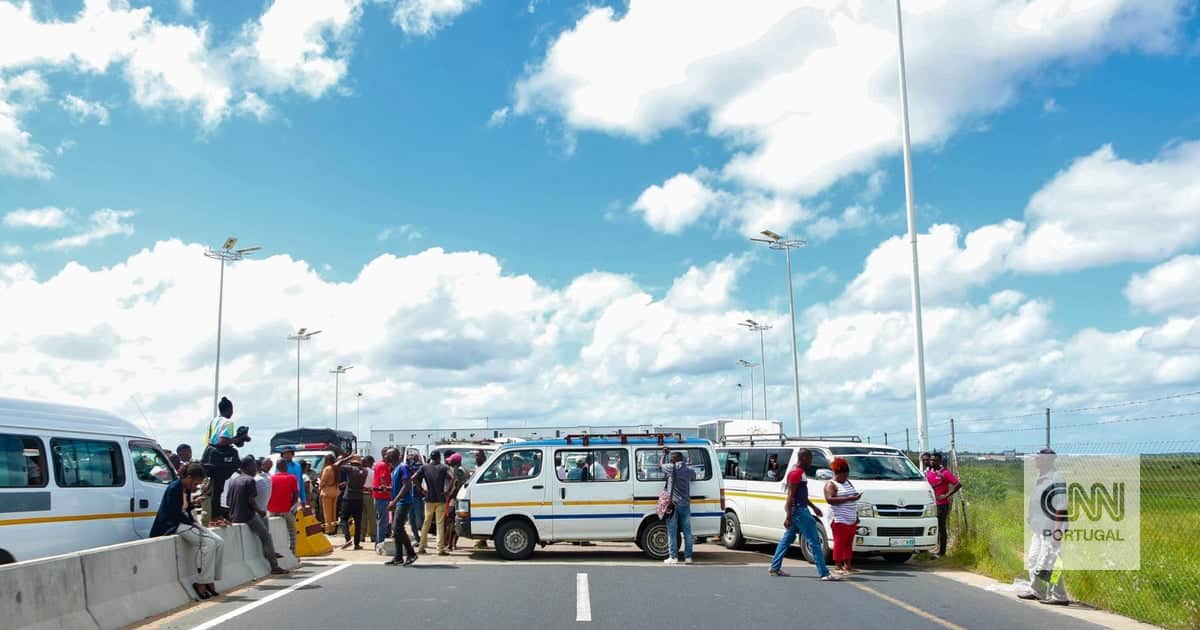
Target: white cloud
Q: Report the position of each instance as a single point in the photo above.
(498, 117)
(101, 225)
(82, 109)
(19, 155)
(173, 66)
(1171, 287)
(874, 186)
(1052, 106)
(1105, 209)
(253, 105)
(409, 232)
(806, 91)
(302, 45)
(187, 7)
(426, 17)
(676, 204)
(41, 218)
(8, 250)
(64, 146)
(852, 218)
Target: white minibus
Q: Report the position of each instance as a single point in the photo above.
(73, 478)
(897, 514)
(585, 488)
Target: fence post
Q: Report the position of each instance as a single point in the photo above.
(1047, 427)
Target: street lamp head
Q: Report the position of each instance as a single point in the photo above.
(775, 241)
(771, 235)
(300, 333)
(229, 243)
(247, 250)
(746, 364)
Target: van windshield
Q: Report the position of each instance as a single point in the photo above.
(882, 468)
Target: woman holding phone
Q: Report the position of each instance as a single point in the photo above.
(843, 503)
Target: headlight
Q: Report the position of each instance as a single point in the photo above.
(464, 505)
(866, 510)
(931, 509)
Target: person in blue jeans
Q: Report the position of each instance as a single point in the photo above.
(800, 522)
(416, 516)
(679, 480)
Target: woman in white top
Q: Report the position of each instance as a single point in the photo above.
(843, 503)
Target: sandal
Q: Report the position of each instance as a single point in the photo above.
(779, 573)
(830, 578)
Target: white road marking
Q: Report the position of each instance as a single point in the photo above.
(583, 600)
(270, 598)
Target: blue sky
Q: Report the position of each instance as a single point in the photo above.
(506, 129)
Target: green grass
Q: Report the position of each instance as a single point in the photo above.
(1166, 591)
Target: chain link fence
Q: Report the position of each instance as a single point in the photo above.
(987, 528)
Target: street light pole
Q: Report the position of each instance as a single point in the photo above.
(301, 335)
(226, 254)
(337, 373)
(741, 402)
(357, 417)
(775, 241)
(754, 326)
(750, 366)
(918, 332)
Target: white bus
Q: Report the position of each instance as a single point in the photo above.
(73, 478)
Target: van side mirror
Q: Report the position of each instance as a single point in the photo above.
(824, 474)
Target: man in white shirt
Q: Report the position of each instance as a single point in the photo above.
(262, 483)
(1047, 519)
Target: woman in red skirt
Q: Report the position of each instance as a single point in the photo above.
(843, 503)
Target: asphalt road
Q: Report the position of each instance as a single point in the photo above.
(516, 596)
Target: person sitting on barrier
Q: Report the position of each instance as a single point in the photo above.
(175, 518)
(243, 508)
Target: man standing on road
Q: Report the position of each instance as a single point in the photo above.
(436, 476)
(800, 522)
(401, 504)
(243, 508)
(458, 479)
(285, 499)
(288, 454)
(679, 479)
(480, 459)
(945, 485)
(381, 493)
(352, 498)
(416, 516)
(1043, 559)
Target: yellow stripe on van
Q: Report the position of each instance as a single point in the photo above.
(75, 517)
(694, 502)
(770, 497)
(512, 504)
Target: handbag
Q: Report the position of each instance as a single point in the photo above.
(666, 507)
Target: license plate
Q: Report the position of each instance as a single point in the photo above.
(903, 542)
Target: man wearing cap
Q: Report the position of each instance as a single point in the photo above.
(352, 498)
(1047, 519)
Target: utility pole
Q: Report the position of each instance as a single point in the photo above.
(1047, 427)
(885, 440)
(907, 444)
(953, 446)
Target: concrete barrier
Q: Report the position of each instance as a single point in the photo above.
(279, 537)
(44, 594)
(252, 553)
(132, 581)
(231, 567)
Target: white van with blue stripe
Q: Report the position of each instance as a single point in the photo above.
(585, 488)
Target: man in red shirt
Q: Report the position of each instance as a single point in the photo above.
(285, 498)
(381, 492)
(945, 485)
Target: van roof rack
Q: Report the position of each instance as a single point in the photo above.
(782, 439)
(662, 438)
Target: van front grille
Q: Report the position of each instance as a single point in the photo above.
(900, 531)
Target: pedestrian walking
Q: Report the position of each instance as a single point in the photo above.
(381, 493)
(329, 495)
(480, 459)
(416, 516)
(285, 499)
(435, 476)
(842, 498)
(799, 521)
(1048, 521)
(352, 499)
(175, 518)
(945, 485)
(679, 483)
(243, 508)
(401, 505)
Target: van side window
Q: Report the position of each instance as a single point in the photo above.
(819, 461)
(514, 465)
(648, 468)
(592, 465)
(149, 465)
(22, 462)
(87, 463)
(777, 464)
(730, 464)
(755, 467)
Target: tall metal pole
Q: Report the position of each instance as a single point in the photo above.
(336, 378)
(751, 392)
(795, 361)
(357, 417)
(918, 336)
(741, 402)
(297, 381)
(762, 349)
(220, 308)
(1047, 427)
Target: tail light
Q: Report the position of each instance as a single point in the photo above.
(722, 499)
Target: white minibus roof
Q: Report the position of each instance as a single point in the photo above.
(36, 415)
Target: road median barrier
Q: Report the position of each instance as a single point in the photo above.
(45, 594)
(282, 542)
(132, 581)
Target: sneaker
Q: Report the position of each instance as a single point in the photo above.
(671, 561)
(279, 571)
(411, 559)
(1027, 596)
(831, 578)
(687, 560)
(778, 573)
(1054, 602)
(393, 563)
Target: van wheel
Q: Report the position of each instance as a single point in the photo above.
(825, 550)
(654, 540)
(897, 558)
(731, 536)
(515, 540)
